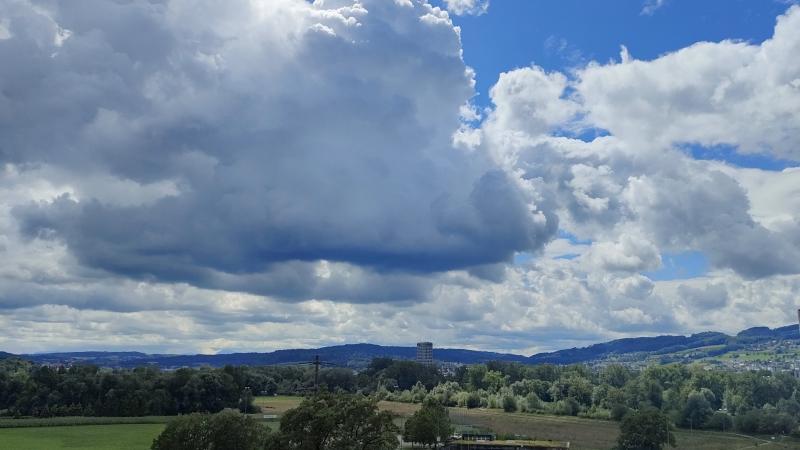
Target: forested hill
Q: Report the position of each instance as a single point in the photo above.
(359, 355)
(657, 344)
(352, 355)
(666, 345)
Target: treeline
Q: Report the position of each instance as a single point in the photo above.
(690, 395)
(40, 391)
(28, 389)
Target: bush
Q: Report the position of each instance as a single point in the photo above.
(765, 421)
(473, 400)
(509, 404)
(618, 411)
(533, 402)
(567, 407)
(719, 421)
(596, 413)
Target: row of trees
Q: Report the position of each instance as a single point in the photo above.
(323, 421)
(32, 390)
(28, 389)
(690, 396)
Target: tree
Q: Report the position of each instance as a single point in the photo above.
(246, 405)
(647, 429)
(429, 425)
(616, 375)
(476, 377)
(697, 410)
(227, 429)
(494, 380)
(328, 421)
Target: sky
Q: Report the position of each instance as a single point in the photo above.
(512, 175)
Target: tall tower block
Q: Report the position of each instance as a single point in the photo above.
(425, 351)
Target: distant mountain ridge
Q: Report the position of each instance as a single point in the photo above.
(359, 355)
(349, 355)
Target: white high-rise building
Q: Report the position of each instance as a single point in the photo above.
(425, 352)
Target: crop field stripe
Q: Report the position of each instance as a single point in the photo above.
(81, 420)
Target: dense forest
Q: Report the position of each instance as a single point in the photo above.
(690, 395)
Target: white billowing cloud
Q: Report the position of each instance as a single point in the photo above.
(287, 174)
(470, 7)
(632, 254)
(283, 135)
(730, 93)
(530, 100)
(774, 196)
(637, 183)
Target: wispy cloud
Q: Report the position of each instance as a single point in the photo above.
(467, 7)
(651, 6)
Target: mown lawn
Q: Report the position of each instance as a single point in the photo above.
(81, 437)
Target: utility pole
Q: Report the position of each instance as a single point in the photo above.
(316, 373)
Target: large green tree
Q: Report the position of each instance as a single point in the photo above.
(225, 430)
(647, 429)
(328, 421)
(430, 425)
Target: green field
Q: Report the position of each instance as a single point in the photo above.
(81, 420)
(82, 437)
(583, 434)
(589, 434)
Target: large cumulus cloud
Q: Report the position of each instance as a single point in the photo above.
(268, 174)
(636, 181)
(291, 134)
(729, 92)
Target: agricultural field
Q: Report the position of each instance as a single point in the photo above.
(588, 434)
(90, 433)
(81, 437)
(583, 434)
(81, 420)
(276, 405)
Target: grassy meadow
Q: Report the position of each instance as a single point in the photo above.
(583, 434)
(81, 437)
(96, 433)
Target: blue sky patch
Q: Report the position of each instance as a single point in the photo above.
(561, 35)
(729, 155)
(680, 266)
